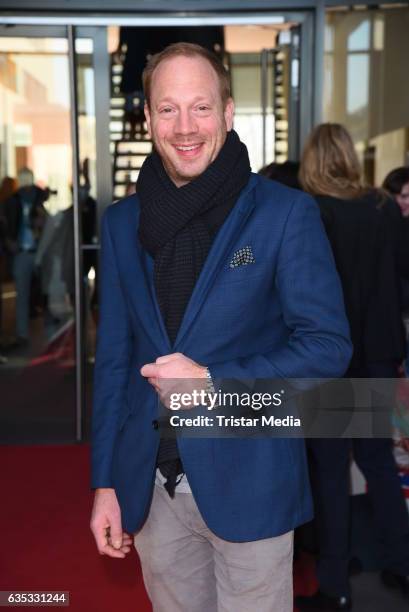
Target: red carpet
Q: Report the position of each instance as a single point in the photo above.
(46, 542)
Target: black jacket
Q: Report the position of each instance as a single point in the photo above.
(405, 277)
(13, 214)
(371, 255)
(142, 42)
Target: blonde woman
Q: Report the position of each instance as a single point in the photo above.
(364, 232)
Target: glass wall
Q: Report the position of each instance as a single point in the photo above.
(37, 373)
(366, 85)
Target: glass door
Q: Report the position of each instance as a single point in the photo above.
(47, 231)
(271, 68)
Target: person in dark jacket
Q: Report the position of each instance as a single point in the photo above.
(141, 43)
(25, 216)
(364, 231)
(285, 173)
(396, 184)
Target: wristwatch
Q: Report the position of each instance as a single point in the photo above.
(209, 383)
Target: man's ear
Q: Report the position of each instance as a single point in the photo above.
(229, 114)
(148, 118)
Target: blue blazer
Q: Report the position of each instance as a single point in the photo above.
(282, 316)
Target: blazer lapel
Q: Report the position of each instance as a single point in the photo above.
(142, 294)
(149, 271)
(216, 258)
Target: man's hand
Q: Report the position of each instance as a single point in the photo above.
(166, 369)
(175, 365)
(106, 525)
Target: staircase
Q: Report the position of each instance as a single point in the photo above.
(129, 141)
(280, 105)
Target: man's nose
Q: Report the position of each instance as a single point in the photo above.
(185, 122)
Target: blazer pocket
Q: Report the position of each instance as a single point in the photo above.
(242, 273)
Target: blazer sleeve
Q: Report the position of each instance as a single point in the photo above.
(310, 293)
(112, 363)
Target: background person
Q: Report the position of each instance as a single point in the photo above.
(364, 234)
(285, 173)
(25, 217)
(396, 184)
(8, 187)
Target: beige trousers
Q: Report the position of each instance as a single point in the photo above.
(187, 568)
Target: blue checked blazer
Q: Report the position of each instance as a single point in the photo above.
(281, 315)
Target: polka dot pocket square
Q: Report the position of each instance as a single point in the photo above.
(242, 257)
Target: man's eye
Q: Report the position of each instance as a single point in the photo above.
(203, 108)
(165, 110)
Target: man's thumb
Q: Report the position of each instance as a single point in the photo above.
(116, 538)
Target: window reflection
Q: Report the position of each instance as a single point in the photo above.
(359, 39)
(357, 72)
(378, 33)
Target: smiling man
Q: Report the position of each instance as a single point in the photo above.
(208, 272)
(188, 122)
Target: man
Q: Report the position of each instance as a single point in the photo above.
(210, 272)
(25, 217)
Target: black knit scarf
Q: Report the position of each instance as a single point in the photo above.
(177, 224)
(177, 227)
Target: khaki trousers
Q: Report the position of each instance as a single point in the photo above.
(187, 568)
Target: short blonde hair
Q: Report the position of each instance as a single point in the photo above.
(329, 163)
(186, 50)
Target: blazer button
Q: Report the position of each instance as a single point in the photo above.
(155, 424)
